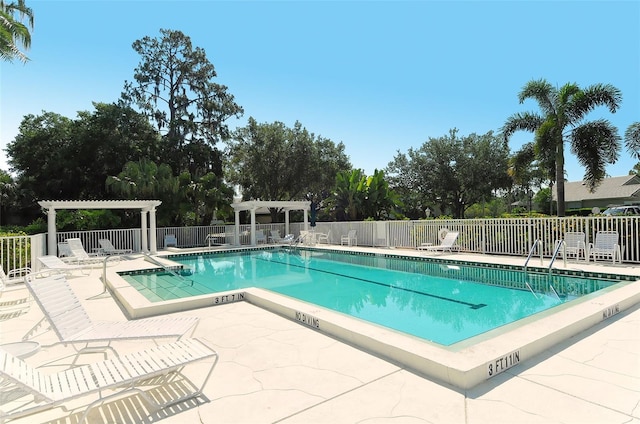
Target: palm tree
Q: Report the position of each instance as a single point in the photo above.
(595, 143)
(13, 32)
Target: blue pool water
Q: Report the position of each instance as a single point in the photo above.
(441, 302)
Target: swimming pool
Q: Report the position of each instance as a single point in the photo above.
(440, 302)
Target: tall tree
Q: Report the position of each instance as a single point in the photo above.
(40, 156)
(453, 172)
(14, 34)
(174, 87)
(270, 161)
(562, 119)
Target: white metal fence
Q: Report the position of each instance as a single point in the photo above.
(502, 236)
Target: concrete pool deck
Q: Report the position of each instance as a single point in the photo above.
(273, 369)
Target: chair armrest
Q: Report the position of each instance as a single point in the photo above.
(20, 272)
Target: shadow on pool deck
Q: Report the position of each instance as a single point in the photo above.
(273, 369)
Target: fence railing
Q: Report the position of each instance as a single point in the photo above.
(500, 236)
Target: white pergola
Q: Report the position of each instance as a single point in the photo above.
(253, 205)
(147, 207)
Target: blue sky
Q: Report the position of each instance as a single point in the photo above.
(381, 77)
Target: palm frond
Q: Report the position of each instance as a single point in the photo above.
(632, 139)
(593, 96)
(541, 91)
(596, 144)
(526, 121)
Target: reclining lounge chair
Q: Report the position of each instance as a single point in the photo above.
(448, 243)
(71, 323)
(25, 390)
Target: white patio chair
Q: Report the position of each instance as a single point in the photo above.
(323, 237)
(71, 323)
(109, 249)
(260, 237)
(350, 238)
(25, 390)
(170, 240)
(605, 245)
(574, 244)
(448, 243)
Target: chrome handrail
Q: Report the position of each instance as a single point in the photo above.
(537, 242)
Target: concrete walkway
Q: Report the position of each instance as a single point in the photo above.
(274, 370)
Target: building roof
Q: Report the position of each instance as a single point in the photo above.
(627, 186)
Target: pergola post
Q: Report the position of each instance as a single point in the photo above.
(52, 245)
(236, 232)
(152, 232)
(286, 222)
(253, 226)
(143, 231)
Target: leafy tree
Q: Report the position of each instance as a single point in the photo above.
(13, 32)
(174, 87)
(527, 172)
(350, 195)
(270, 161)
(145, 180)
(55, 157)
(595, 143)
(360, 197)
(40, 156)
(104, 141)
(7, 194)
(453, 173)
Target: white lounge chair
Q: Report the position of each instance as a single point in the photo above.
(81, 255)
(448, 243)
(65, 253)
(71, 323)
(575, 244)
(275, 237)
(109, 249)
(54, 263)
(351, 238)
(26, 390)
(16, 306)
(15, 276)
(605, 245)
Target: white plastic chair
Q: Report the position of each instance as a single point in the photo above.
(605, 245)
(350, 239)
(260, 237)
(575, 243)
(322, 237)
(26, 390)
